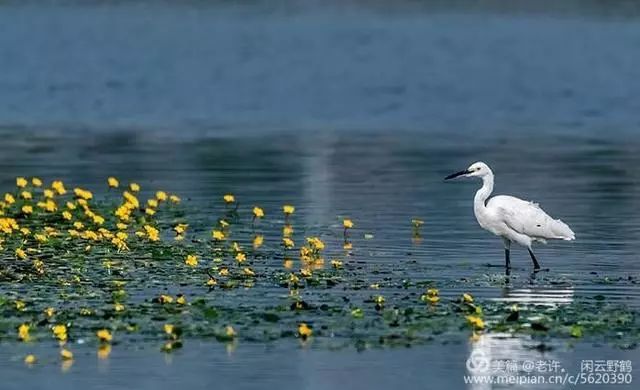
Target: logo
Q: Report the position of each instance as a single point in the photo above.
(478, 362)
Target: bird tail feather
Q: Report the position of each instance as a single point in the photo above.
(562, 230)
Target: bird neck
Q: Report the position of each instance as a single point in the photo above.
(479, 201)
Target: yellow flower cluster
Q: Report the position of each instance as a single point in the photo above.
(60, 332)
(432, 296)
(475, 321)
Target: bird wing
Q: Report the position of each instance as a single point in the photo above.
(529, 219)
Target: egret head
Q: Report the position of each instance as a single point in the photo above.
(478, 169)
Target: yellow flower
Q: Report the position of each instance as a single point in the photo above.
(230, 332)
(287, 230)
(121, 226)
(306, 272)
(347, 223)
(432, 296)
(134, 187)
(336, 264)
(174, 199)
(161, 196)
(191, 261)
(26, 195)
(218, 235)
(21, 182)
(433, 299)
(379, 299)
(288, 243)
(104, 335)
(41, 238)
(168, 329)
(152, 203)
(27, 209)
(149, 211)
(315, 243)
(65, 354)
(23, 332)
(248, 272)
(223, 272)
(223, 223)
(60, 332)
(113, 182)
(258, 240)
(36, 182)
(49, 194)
(288, 209)
(131, 199)
(118, 307)
(78, 225)
(304, 331)
(9, 199)
(229, 198)
(181, 300)
(58, 186)
(21, 254)
(71, 205)
(83, 194)
(258, 212)
(66, 215)
(49, 205)
(25, 231)
(152, 233)
(211, 282)
(30, 359)
(241, 257)
(165, 298)
(49, 311)
(288, 264)
(476, 322)
(467, 298)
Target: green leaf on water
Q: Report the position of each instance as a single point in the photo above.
(576, 331)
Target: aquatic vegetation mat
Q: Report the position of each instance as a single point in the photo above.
(125, 269)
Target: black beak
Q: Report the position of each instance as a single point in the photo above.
(454, 175)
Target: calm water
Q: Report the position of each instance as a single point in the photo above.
(358, 110)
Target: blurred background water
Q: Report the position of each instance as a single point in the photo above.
(355, 108)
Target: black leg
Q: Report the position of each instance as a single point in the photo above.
(536, 266)
(507, 260)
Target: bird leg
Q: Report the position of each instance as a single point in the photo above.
(507, 260)
(536, 266)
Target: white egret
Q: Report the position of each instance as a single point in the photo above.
(513, 219)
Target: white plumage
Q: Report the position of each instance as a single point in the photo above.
(513, 219)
